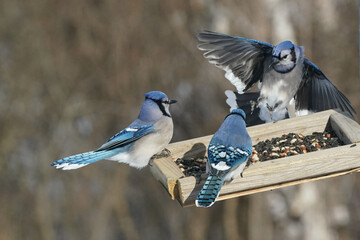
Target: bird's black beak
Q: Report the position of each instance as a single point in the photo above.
(172, 101)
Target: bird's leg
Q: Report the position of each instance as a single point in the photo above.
(198, 179)
(151, 161)
(291, 109)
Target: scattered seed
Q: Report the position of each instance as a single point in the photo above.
(295, 152)
(255, 158)
(287, 145)
(276, 149)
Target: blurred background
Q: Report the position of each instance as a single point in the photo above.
(73, 73)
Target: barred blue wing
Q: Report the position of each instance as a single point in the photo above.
(126, 136)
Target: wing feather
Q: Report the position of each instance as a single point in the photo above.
(244, 58)
(316, 93)
(126, 137)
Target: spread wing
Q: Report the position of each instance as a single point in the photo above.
(316, 93)
(241, 58)
(126, 136)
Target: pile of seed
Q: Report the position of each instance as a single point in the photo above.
(293, 144)
(286, 145)
(192, 167)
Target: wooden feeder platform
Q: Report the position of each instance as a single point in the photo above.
(271, 174)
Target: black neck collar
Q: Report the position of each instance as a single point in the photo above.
(161, 106)
(235, 113)
(293, 54)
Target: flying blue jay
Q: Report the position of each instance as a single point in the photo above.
(228, 152)
(285, 76)
(136, 144)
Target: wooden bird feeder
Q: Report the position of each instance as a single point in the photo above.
(272, 174)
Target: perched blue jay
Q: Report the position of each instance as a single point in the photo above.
(285, 76)
(136, 144)
(228, 152)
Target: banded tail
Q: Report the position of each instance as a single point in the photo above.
(82, 159)
(210, 191)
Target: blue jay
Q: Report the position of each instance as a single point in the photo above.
(286, 78)
(136, 144)
(228, 152)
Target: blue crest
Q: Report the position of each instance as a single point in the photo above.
(156, 95)
(286, 45)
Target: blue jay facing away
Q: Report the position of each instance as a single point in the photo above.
(285, 76)
(228, 152)
(135, 145)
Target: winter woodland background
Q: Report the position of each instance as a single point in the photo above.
(73, 73)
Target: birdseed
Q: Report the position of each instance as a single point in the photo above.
(287, 145)
(293, 144)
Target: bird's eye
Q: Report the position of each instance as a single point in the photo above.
(285, 56)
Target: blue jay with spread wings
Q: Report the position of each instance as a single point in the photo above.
(135, 145)
(285, 76)
(228, 152)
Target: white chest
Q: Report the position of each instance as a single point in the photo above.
(275, 93)
(144, 148)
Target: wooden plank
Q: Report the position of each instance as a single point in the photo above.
(281, 172)
(345, 128)
(286, 184)
(304, 124)
(167, 173)
(271, 174)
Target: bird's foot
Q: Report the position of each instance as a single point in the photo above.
(151, 161)
(163, 153)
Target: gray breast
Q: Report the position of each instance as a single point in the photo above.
(280, 88)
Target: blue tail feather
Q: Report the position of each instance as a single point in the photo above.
(82, 159)
(210, 191)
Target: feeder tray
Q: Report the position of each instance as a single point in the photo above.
(271, 174)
